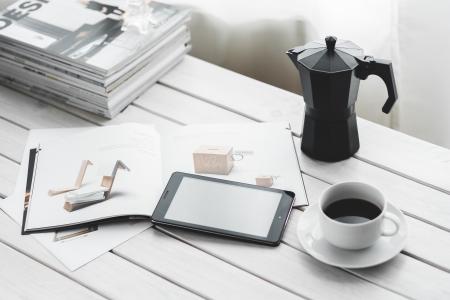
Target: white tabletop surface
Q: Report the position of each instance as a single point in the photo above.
(160, 263)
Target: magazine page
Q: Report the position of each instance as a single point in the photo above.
(35, 136)
(104, 172)
(74, 247)
(263, 150)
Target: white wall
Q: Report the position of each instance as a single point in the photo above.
(424, 45)
(251, 37)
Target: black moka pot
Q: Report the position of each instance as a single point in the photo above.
(330, 74)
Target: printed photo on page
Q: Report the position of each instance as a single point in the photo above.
(103, 174)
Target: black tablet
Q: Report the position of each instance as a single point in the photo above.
(225, 208)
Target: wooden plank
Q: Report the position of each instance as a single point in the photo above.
(387, 277)
(422, 202)
(440, 203)
(160, 100)
(422, 170)
(94, 279)
(425, 242)
(268, 276)
(235, 92)
(420, 231)
(135, 114)
(110, 283)
(21, 109)
(399, 276)
(436, 213)
(413, 158)
(428, 245)
(387, 274)
(8, 175)
(305, 261)
(19, 280)
(31, 113)
(11, 139)
(131, 114)
(419, 240)
(204, 273)
(167, 122)
(104, 275)
(134, 247)
(287, 267)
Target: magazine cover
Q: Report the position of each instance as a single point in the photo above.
(93, 36)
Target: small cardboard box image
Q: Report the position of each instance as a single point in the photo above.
(213, 159)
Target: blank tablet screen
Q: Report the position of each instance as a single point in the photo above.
(223, 206)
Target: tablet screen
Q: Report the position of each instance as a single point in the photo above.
(224, 206)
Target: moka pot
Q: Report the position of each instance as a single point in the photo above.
(330, 73)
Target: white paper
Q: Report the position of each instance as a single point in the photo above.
(78, 250)
(34, 38)
(267, 149)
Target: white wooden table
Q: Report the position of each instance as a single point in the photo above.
(159, 263)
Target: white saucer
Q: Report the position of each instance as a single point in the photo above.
(311, 238)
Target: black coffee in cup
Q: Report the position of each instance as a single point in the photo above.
(352, 211)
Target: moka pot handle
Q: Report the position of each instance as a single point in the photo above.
(382, 68)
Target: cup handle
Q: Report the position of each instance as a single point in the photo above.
(395, 220)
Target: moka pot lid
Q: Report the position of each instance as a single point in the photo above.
(330, 56)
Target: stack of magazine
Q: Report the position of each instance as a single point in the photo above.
(81, 53)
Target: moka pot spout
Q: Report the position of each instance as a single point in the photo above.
(293, 53)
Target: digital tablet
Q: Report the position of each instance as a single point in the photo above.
(227, 208)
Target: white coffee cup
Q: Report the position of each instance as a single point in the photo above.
(361, 233)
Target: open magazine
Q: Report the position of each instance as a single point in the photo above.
(115, 173)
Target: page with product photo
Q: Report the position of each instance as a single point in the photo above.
(103, 173)
(74, 247)
(259, 150)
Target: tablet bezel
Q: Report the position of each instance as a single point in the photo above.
(276, 229)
